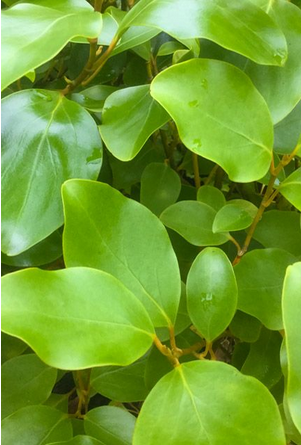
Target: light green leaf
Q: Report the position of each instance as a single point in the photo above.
(291, 188)
(25, 381)
(211, 292)
(143, 117)
(280, 229)
(211, 196)
(259, 276)
(245, 327)
(80, 440)
(215, 105)
(111, 425)
(75, 318)
(287, 132)
(125, 239)
(193, 220)
(160, 187)
(185, 408)
(237, 214)
(291, 320)
(46, 139)
(168, 48)
(40, 31)
(124, 384)
(263, 361)
(36, 425)
(239, 26)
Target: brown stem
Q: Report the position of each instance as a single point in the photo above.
(166, 351)
(196, 171)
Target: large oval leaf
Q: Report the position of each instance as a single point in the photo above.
(126, 240)
(236, 25)
(40, 32)
(46, 139)
(130, 115)
(185, 408)
(25, 381)
(291, 304)
(75, 318)
(259, 276)
(219, 114)
(211, 292)
(290, 188)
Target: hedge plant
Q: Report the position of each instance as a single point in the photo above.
(151, 198)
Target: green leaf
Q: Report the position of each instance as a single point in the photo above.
(75, 318)
(111, 425)
(46, 139)
(36, 425)
(211, 292)
(287, 132)
(143, 117)
(126, 240)
(40, 31)
(25, 381)
(291, 321)
(263, 361)
(259, 276)
(211, 196)
(291, 188)
(11, 347)
(160, 187)
(204, 402)
(124, 384)
(239, 26)
(156, 367)
(237, 214)
(93, 98)
(281, 87)
(191, 92)
(80, 440)
(193, 220)
(280, 229)
(245, 327)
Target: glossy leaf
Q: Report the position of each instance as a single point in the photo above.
(184, 408)
(124, 384)
(75, 318)
(199, 95)
(291, 188)
(144, 117)
(41, 30)
(211, 293)
(263, 361)
(93, 98)
(287, 132)
(232, 26)
(110, 425)
(291, 320)
(80, 440)
(44, 142)
(211, 196)
(193, 220)
(280, 229)
(160, 187)
(259, 276)
(125, 239)
(25, 381)
(36, 425)
(237, 214)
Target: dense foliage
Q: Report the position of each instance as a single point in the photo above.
(151, 198)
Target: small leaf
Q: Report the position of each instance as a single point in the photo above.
(75, 318)
(211, 292)
(25, 381)
(36, 425)
(237, 214)
(287, 132)
(291, 306)
(290, 188)
(211, 196)
(11, 347)
(193, 220)
(160, 187)
(245, 327)
(46, 139)
(144, 117)
(194, 411)
(191, 93)
(232, 25)
(80, 440)
(93, 98)
(111, 425)
(259, 276)
(126, 240)
(41, 30)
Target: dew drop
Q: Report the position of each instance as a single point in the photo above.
(204, 83)
(197, 143)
